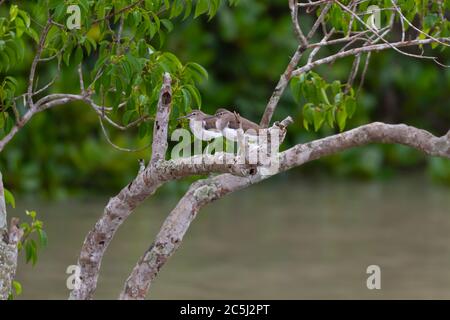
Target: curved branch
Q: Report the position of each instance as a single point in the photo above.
(145, 184)
(205, 191)
(294, 16)
(370, 48)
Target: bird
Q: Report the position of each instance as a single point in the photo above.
(202, 125)
(229, 122)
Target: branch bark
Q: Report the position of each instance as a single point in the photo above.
(145, 184)
(281, 86)
(205, 191)
(8, 247)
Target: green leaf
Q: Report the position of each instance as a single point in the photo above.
(167, 24)
(350, 106)
(33, 34)
(202, 7)
(195, 95)
(26, 18)
(13, 11)
(128, 115)
(9, 198)
(177, 8)
(17, 287)
(308, 115)
(42, 237)
(341, 117)
(296, 86)
(336, 87)
(78, 57)
(67, 53)
(32, 214)
(318, 119)
(197, 71)
(28, 251)
(430, 20)
(186, 99)
(33, 252)
(20, 26)
(143, 129)
(329, 116)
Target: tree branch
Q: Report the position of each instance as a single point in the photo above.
(145, 184)
(8, 247)
(370, 48)
(205, 191)
(36, 61)
(280, 87)
(159, 146)
(294, 16)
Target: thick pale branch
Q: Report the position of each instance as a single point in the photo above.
(159, 145)
(121, 206)
(145, 184)
(205, 191)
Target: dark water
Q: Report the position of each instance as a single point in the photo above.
(289, 239)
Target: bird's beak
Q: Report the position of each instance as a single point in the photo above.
(210, 117)
(183, 117)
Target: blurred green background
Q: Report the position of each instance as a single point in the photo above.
(245, 49)
(310, 233)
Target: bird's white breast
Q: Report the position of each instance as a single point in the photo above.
(199, 131)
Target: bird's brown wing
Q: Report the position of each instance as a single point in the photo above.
(210, 124)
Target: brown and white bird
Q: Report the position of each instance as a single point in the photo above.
(229, 122)
(202, 125)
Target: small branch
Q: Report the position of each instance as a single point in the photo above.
(319, 20)
(119, 12)
(36, 61)
(370, 48)
(119, 34)
(280, 87)
(353, 73)
(403, 18)
(382, 38)
(108, 139)
(294, 16)
(316, 49)
(364, 72)
(80, 76)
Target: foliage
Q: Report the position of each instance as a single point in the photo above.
(35, 227)
(117, 42)
(31, 245)
(328, 102)
(245, 48)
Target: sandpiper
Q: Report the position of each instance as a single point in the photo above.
(202, 125)
(229, 122)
